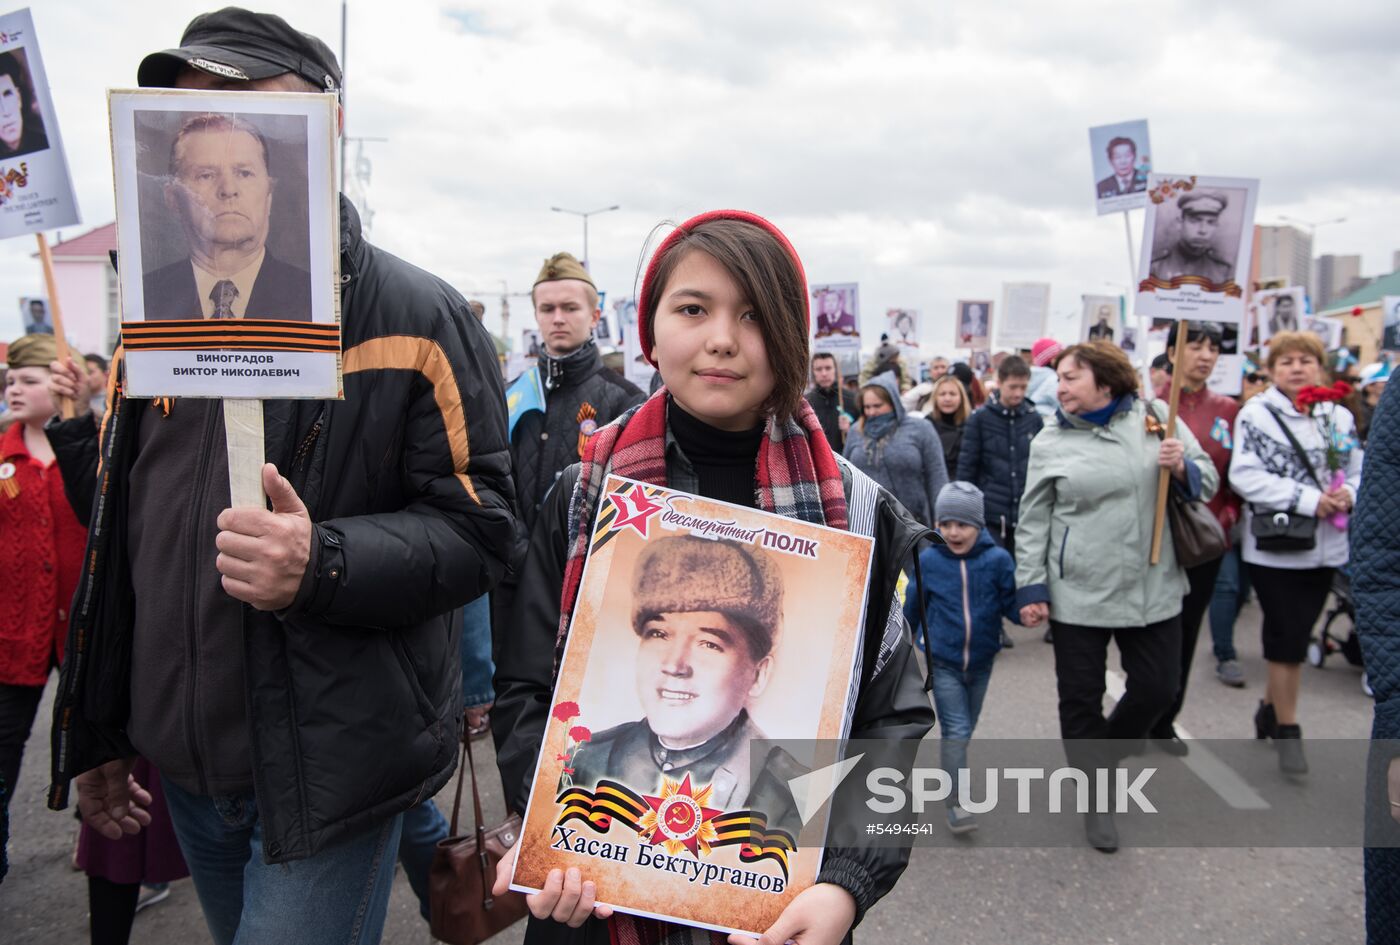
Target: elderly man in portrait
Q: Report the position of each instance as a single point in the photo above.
(707, 615)
(1122, 157)
(974, 321)
(1194, 252)
(220, 187)
(1101, 330)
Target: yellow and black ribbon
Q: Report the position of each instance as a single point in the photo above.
(599, 807)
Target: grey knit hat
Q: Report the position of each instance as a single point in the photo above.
(960, 502)
(686, 574)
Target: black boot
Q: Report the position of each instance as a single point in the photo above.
(1288, 739)
(1101, 832)
(1265, 722)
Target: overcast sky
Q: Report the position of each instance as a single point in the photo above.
(928, 151)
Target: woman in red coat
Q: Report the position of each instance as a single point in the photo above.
(40, 553)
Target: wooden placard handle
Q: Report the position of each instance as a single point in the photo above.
(243, 435)
(1164, 475)
(65, 405)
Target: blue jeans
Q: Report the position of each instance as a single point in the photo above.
(477, 668)
(1231, 589)
(423, 827)
(340, 895)
(957, 698)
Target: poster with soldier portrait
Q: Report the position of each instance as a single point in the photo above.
(836, 324)
(1122, 159)
(974, 324)
(1196, 247)
(1274, 310)
(227, 225)
(1390, 323)
(902, 327)
(36, 191)
(701, 630)
(1102, 319)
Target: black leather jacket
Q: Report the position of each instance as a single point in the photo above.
(891, 704)
(354, 692)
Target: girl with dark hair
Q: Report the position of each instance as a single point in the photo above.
(723, 315)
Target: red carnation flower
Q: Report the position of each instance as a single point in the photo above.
(580, 733)
(1356, 312)
(565, 711)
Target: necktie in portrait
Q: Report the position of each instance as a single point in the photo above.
(222, 295)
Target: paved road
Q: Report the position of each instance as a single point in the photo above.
(948, 896)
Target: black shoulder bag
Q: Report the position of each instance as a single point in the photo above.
(1278, 530)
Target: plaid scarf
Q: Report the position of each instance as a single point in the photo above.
(796, 476)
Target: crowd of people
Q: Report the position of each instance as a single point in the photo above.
(266, 700)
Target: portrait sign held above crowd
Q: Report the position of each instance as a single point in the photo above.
(227, 227)
(1121, 160)
(36, 192)
(700, 628)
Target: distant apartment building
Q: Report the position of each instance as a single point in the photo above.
(1334, 277)
(1285, 252)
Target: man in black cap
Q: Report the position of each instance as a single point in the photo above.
(1194, 252)
(293, 672)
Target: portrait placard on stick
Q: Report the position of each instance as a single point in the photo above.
(649, 778)
(1024, 307)
(1122, 160)
(36, 192)
(1196, 247)
(902, 325)
(228, 229)
(836, 324)
(1390, 323)
(974, 329)
(1102, 319)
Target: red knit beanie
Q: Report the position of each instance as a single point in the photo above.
(679, 233)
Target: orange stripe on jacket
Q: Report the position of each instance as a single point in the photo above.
(408, 353)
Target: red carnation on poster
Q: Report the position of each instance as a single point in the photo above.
(580, 733)
(565, 711)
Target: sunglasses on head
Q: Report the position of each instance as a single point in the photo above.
(1254, 377)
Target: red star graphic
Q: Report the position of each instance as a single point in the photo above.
(683, 812)
(634, 509)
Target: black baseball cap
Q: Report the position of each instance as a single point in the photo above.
(240, 44)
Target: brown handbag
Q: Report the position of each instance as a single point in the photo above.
(461, 909)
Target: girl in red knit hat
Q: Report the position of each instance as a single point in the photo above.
(723, 315)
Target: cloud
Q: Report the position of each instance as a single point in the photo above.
(930, 152)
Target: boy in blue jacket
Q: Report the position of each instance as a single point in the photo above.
(969, 584)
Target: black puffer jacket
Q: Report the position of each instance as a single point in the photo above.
(354, 692)
(996, 445)
(582, 394)
(891, 703)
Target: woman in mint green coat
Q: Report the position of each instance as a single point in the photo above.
(1083, 546)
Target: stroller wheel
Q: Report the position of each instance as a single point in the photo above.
(1366, 685)
(1317, 653)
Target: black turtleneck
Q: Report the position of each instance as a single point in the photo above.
(723, 460)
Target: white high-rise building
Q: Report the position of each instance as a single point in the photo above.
(1285, 252)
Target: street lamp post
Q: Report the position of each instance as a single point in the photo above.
(585, 214)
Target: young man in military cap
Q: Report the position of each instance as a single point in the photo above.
(293, 672)
(1194, 252)
(581, 394)
(707, 615)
